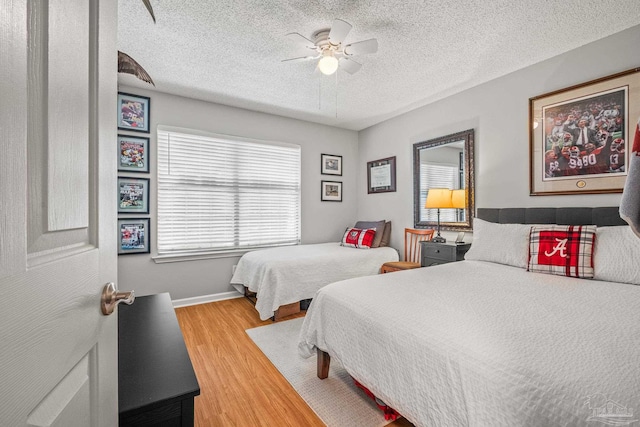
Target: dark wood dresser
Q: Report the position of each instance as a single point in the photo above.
(441, 253)
(156, 381)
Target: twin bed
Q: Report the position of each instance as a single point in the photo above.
(486, 342)
(282, 277)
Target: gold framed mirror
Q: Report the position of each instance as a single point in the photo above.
(445, 162)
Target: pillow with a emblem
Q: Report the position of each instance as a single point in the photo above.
(565, 250)
(378, 226)
(358, 237)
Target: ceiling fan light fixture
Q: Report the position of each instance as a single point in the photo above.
(328, 64)
(331, 51)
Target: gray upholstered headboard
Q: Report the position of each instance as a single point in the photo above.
(601, 217)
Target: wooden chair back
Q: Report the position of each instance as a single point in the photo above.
(412, 239)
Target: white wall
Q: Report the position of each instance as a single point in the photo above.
(321, 221)
(498, 111)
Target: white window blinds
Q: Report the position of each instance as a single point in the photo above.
(435, 175)
(222, 193)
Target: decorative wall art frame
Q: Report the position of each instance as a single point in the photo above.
(381, 175)
(331, 191)
(331, 164)
(133, 112)
(133, 236)
(579, 136)
(133, 154)
(133, 195)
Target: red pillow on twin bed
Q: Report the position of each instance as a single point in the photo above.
(565, 250)
(358, 238)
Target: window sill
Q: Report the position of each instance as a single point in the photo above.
(196, 256)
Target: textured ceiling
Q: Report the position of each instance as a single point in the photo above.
(230, 51)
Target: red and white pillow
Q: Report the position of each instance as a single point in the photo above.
(565, 250)
(358, 237)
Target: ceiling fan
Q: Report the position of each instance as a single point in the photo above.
(330, 49)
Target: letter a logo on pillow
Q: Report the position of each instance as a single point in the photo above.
(358, 238)
(553, 248)
(563, 250)
(560, 247)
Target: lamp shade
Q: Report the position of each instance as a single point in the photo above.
(438, 198)
(459, 199)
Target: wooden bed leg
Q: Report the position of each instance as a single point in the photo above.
(324, 360)
(251, 296)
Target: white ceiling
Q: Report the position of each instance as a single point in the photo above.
(230, 51)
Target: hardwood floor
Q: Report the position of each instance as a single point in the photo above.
(238, 384)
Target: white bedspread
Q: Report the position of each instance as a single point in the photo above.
(482, 344)
(292, 273)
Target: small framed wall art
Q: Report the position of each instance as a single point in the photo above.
(133, 154)
(381, 175)
(133, 195)
(133, 112)
(133, 236)
(331, 165)
(331, 191)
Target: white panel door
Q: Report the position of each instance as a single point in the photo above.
(58, 86)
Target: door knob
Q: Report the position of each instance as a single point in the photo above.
(111, 297)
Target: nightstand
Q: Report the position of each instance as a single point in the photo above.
(442, 253)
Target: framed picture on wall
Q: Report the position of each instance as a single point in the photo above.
(381, 175)
(133, 195)
(133, 112)
(133, 154)
(133, 236)
(579, 136)
(331, 164)
(331, 191)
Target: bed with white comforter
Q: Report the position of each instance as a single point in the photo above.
(484, 342)
(289, 274)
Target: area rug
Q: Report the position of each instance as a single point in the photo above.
(336, 400)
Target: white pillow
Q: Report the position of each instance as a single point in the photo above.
(617, 255)
(500, 243)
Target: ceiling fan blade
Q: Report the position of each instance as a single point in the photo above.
(339, 31)
(300, 39)
(361, 48)
(300, 58)
(349, 65)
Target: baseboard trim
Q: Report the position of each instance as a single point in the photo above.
(185, 302)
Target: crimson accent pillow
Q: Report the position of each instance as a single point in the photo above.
(378, 226)
(565, 250)
(358, 238)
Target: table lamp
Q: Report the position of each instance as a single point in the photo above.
(438, 198)
(459, 199)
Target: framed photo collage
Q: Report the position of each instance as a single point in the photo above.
(134, 157)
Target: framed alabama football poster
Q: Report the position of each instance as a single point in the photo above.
(133, 112)
(579, 136)
(133, 154)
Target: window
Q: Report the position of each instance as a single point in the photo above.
(223, 193)
(438, 175)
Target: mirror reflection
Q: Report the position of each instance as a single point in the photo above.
(444, 163)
